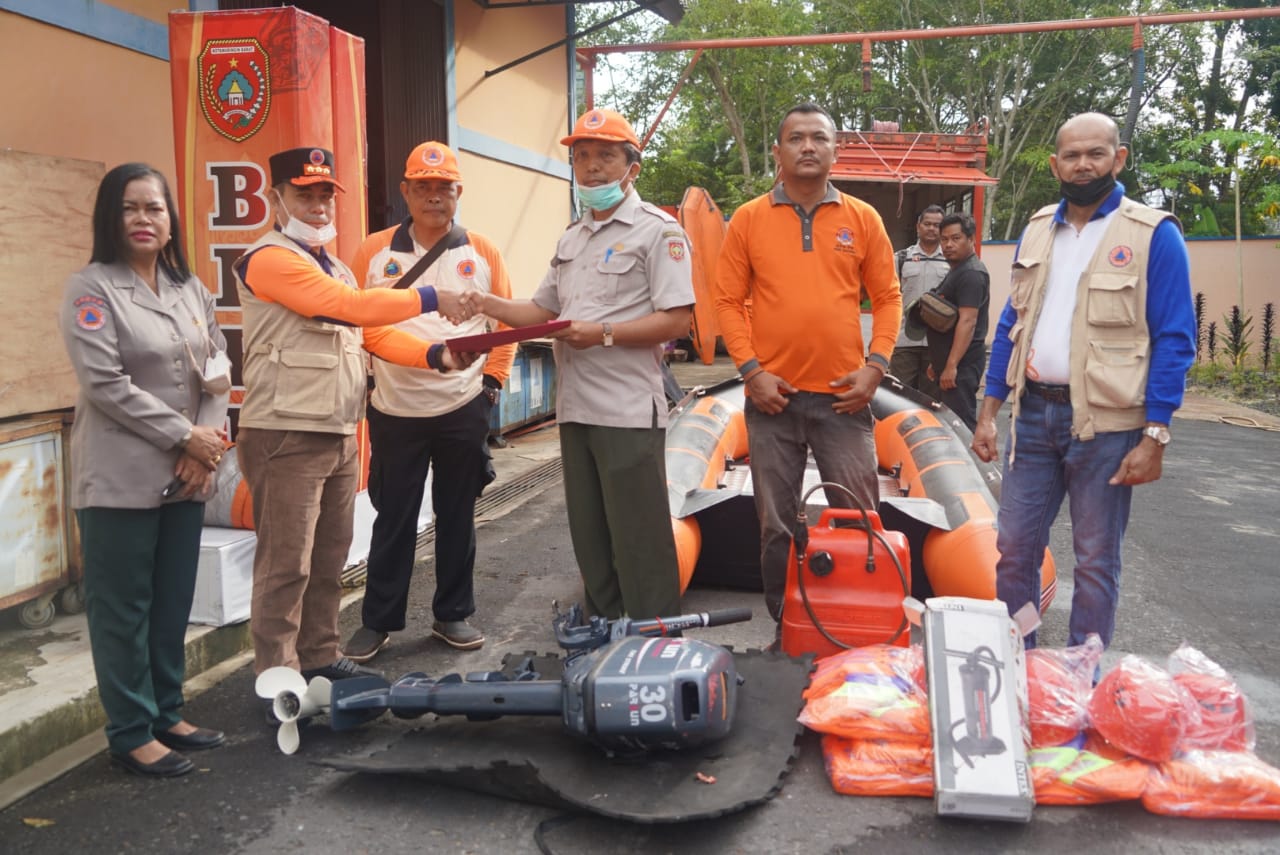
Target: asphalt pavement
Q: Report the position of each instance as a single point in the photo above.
(1200, 566)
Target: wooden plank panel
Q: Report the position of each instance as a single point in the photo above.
(46, 234)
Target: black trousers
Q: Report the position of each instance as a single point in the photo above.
(963, 399)
(403, 450)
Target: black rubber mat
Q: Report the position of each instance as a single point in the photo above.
(535, 760)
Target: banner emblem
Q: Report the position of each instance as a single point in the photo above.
(235, 86)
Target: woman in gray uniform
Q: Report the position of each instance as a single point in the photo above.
(139, 328)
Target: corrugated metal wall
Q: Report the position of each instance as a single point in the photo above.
(412, 107)
(405, 82)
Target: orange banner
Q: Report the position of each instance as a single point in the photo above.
(247, 84)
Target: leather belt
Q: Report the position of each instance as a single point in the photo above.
(1058, 394)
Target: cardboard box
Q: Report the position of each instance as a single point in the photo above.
(224, 576)
(977, 676)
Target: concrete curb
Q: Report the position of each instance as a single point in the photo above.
(35, 739)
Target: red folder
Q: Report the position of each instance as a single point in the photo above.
(488, 341)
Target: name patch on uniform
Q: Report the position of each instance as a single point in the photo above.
(467, 269)
(675, 249)
(392, 270)
(1120, 256)
(91, 312)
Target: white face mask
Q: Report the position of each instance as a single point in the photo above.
(216, 377)
(313, 236)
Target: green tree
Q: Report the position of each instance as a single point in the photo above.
(1208, 78)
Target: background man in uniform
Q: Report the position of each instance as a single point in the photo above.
(425, 420)
(957, 357)
(1094, 344)
(304, 376)
(921, 268)
(621, 273)
(803, 253)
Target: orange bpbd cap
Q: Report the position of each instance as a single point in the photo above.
(432, 160)
(602, 125)
(303, 166)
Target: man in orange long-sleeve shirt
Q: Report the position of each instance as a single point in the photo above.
(304, 376)
(804, 253)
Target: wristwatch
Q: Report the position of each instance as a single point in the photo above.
(608, 335)
(1159, 433)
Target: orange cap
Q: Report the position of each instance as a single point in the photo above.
(602, 125)
(432, 160)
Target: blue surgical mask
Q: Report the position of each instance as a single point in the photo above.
(601, 198)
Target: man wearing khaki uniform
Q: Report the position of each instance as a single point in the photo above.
(621, 272)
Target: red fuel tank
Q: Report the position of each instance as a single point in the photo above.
(855, 602)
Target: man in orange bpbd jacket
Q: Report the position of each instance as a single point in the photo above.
(803, 253)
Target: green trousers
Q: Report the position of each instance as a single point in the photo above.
(615, 488)
(139, 579)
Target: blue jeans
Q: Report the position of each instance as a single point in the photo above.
(843, 447)
(1048, 464)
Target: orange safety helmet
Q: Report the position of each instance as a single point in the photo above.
(1225, 722)
(1138, 708)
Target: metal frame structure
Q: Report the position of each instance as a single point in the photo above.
(672, 10)
(878, 143)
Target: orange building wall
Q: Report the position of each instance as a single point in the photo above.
(156, 10)
(525, 105)
(522, 210)
(72, 96)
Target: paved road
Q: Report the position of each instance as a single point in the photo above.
(1201, 566)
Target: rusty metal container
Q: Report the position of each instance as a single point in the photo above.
(34, 564)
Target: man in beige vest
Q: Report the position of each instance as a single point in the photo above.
(304, 376)
(1094, 345)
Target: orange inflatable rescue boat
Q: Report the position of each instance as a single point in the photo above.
(929, 480)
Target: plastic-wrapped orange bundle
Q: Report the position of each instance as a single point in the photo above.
(1086, 772)
(1214, 785)
(1225, 722)
(878, 767)
(1059, 682)
(1138, 708)
(871, 692)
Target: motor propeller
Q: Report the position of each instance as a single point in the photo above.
(292, 699)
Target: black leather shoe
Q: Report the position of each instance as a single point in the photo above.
(170, 765)
(197, 740)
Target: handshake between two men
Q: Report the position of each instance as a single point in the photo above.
(460, 306)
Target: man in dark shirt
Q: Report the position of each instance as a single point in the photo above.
(957, 357)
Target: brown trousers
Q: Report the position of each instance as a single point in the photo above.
(303, 486)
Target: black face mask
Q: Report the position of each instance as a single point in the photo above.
(1085, 195)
